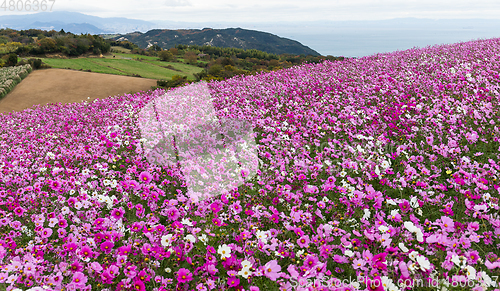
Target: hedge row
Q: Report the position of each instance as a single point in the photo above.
(11, 76)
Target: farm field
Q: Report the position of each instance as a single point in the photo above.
(120, 49)
(127, 64)
(377, 173)
(66, 86)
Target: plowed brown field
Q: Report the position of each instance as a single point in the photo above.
(68, 86)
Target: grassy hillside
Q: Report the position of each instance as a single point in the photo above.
(127, 64)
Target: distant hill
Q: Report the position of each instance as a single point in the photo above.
(74, 22)
(75, 28)
(229, 37)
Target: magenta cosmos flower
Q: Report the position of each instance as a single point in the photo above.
(145, 177)
(233, 282)
(107, 246)
(184, 275)
(139, 285)
(19, 211)
(117, 213)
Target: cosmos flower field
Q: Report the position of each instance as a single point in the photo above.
(378, 173)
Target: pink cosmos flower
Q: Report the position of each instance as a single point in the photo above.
(107, 246)
(79, 279)
(405, 206)
(63, 223)
(310, 261)
(233, 282)
(145, 177)
(86, 252)
(374, 284)
(173, 213)
(117, 213)
(271, 270)
(184, 275)
(19, 211)
(216, 207)
(447, 224)
(379, 261)
(358, 264)
(139, 285)
(236, 207)
(46, 233)
(303, 241)
(217, 221)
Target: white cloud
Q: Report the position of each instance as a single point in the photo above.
(258, 11)
(175, 3)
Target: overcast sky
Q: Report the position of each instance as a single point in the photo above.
(280, 10)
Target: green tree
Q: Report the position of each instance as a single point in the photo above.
(166, 56)
(12, 60)
(190, 57)
(48, 45)
(215, 70)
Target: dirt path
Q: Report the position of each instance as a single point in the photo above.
(69, 86)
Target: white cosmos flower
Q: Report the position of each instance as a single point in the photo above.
(245, 272)
(403, 247)
(246, 264)
(414, 202)
(486, 279)
(424, 263)
(203, 238)
(471, 272)
(224, 251)
(262, 235)
(413, 255)
(191, 238)
(166, 240)
(383, 228)
(392, 202)
(186, 221)
(412, 228)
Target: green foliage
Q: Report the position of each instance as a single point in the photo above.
(190, 57)
(12, 60)
(176, 81)
(166, 56)
(48, 45)
(52, 42)
(4, 39)
(243, 39)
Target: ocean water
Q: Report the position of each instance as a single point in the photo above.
(364, 38)
(355, 43)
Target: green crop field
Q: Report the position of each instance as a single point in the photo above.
(127, 64)
(120, 49)
(81, 64)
